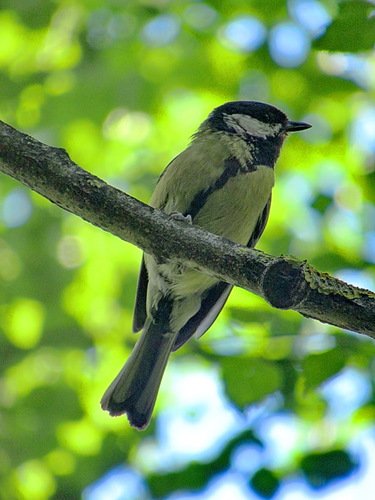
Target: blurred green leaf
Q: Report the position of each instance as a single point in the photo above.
(353, 30)
(249, 380)
(319, 367)
(368, 184)
(321, 203)
(265, 483)
(196, 474)
(320, 469)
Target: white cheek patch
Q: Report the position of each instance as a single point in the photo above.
(245, 123)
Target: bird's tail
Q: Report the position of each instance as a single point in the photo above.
(135, 388)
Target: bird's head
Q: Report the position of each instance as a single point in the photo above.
(252, 119)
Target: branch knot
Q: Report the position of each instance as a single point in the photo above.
(283, 284)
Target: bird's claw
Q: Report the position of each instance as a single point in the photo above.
(178, 216)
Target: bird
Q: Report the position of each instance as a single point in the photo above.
(222, 182)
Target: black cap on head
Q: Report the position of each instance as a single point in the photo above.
(258, 110)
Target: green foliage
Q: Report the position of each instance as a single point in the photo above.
(122, 86)
(318, 367)
(321, 468)
(352, 30)
(265, 483)
(196, 475)
(258, 379)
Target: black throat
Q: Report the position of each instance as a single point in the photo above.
(264, 151)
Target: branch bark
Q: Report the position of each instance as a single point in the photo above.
(284, 282)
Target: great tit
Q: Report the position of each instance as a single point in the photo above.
(221, 182)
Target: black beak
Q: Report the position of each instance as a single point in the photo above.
(296, 126)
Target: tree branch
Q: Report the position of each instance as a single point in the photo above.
(283, 281)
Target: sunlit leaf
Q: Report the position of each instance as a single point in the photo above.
(32, 479)
(24, 322)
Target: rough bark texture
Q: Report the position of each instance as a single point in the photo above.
(283, 281)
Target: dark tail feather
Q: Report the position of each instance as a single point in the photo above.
(135, 388)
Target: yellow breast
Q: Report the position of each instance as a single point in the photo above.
(233, 210)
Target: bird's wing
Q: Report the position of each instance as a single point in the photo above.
(164, 200)
(140, 313)
(217, 295)
(211, 305)
(260, 225)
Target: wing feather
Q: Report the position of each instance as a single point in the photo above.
(140, 313)
(260, 225)
(210, 308)
(217, 295)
